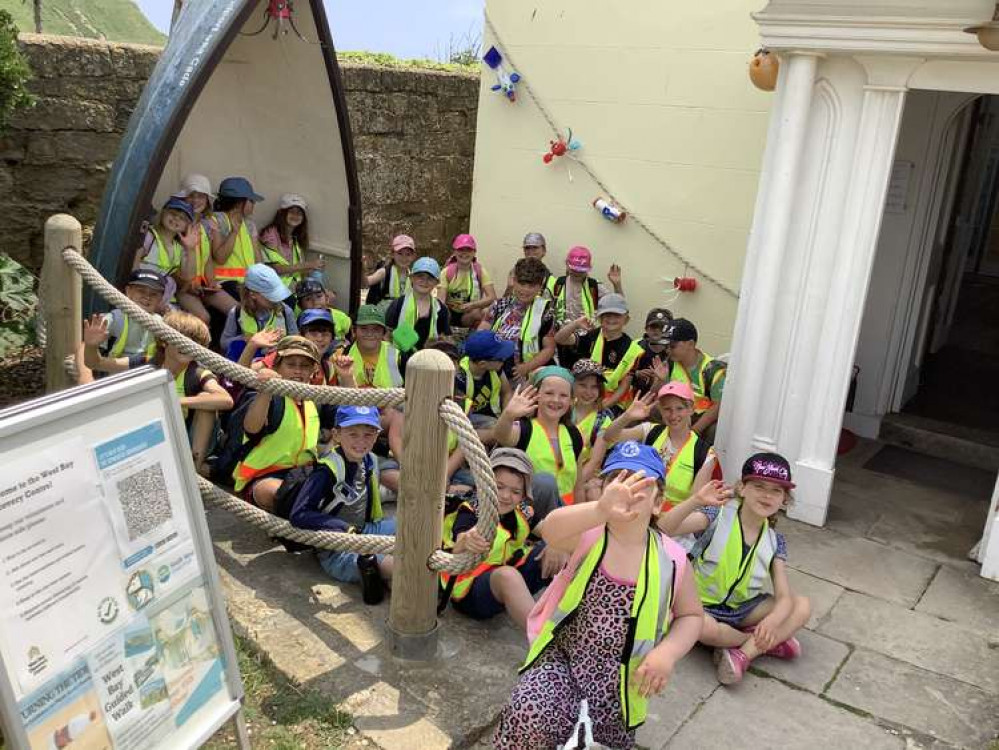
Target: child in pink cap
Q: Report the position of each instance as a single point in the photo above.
(390, 279)
(466, 287)
(577, 294)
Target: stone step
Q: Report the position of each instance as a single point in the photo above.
(932, 437)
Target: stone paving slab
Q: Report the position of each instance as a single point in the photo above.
(965, 598)
(763, 713)
(812, 671)
(942, 539)
(858, 564)
(919, 639)
(693, 681)
(822, 594)
(924, 701)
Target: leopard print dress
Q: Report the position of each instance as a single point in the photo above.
(582, 661)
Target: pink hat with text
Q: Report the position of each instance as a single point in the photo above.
(464, 241)
(579, 259)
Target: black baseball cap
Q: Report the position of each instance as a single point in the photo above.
(658, 316)
(681, 329)
(148, 277)
(308, 287)
(768, 467)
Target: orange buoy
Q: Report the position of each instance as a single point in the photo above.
(763, 69)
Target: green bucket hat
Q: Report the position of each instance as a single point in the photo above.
(369, 315)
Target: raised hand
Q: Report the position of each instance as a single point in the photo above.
(523, 402)
(265, 339)
(715, 493)
(641, 409)
(191, 236)
(614, 275)
(582, 324)
(95, 330)
(618, 500)
(660, 369)
(342, 364)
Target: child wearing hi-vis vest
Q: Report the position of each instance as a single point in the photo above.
(480, 383)
(343, 494)
(738, 560)
(614, 622)
(608, 344)
(261, 308)
(515, 568)
(283, 432)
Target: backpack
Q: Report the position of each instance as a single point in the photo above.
(233, 448)
(451, 270)
(701, 447)
(591, 283)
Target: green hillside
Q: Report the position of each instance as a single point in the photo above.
(116, 20)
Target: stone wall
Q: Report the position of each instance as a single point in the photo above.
(414, 133)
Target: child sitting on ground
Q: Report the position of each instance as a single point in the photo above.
(235, 244)
(577, 294)
(125, 344)
(281, 433)
(652, 368)
(466, 288)
(261, 308)
(742, 620)
(311, 294)
(515, 569)
(285, 240)
(610, 629)
(168, 244)
(343, 494)
(609, 345)
(390, 279)
(480, 381)
(418, 317)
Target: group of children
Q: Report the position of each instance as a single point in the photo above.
(601, 446)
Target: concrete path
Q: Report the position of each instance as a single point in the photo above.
(902, 650)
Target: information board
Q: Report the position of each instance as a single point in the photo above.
(113, 630)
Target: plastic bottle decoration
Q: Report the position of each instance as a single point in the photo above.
(610, 210)
(506, 82)
(561, 146)
(763, 69)
(685, 283)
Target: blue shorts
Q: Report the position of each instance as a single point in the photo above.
(480, 604)
(735, 617)
(342, 566)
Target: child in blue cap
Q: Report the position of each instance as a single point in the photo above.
(480, 382)
(626, 593)
(261, 309)
(418, 310)
(343, 494)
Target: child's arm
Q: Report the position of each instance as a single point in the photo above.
(566, 335)
(522, 403)
(213, 397)
(616, 396)
(95, 333)
(343, 369)
(256, 415)
(614, 277)
(506, 390)
(639, 411)
(707, 419)
(685, 518)
(705, 473)
(454, 462)
(487, 298)
(222, 247)
(189, 258)
(564, 526)
(305, 513)
(656, 668)
(374, 277)
(260, 340)
(783, 604)
(542, 358)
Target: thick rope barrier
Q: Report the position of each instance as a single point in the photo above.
(452, 415)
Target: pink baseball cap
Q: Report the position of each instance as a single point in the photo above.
(678, 389)
(579, 259)
(463, 241)
(402, 241)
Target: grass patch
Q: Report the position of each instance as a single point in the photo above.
(281, 715)
(386, 60)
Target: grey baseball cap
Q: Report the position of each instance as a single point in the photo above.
(515, 460)
(612, 303)
(534, 238)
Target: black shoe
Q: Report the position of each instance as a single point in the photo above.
(372, 585)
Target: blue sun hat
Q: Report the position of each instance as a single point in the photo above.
(634, 456)
(348, 416)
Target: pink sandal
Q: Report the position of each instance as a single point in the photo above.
(787, 650)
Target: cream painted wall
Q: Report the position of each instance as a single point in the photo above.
(660, 97)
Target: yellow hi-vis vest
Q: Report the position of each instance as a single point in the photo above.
(651, 614)
(589, 427)
(505, 547)
(544, 460)
(293, 443)
(387, 373)
(701, 389)
(495, 386)
(249, 325)
(679, 470)
(614, 377)
(241, 257)
(274, 256)
(530, 328)
(118, 349)
(409, 313)
(334, 461)
(168, 261)
(725, 575)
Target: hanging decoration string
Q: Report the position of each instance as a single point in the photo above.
(524, 86)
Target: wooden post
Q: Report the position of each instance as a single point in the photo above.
(62, 300)
(419, 516)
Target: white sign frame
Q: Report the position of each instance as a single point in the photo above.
(82, 414)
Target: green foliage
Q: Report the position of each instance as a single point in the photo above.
(115, 20)
(391, 61)
(17, 306)
(14, 73)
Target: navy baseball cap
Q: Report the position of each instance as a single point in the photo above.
(633, 456)
(238, 187)
(681, 329)
(486, 345)
(179, 204)
(148, 277)
(346, 416)
(317, 315)
(308, 287)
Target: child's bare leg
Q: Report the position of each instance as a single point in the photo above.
(192, 304)
(471, 319)
(201, 436)
(390, 478)
(264, 492)
(509, 587)
(385, 567)
(220, 301)
(720, 635)
(801, 610)
(393, 422)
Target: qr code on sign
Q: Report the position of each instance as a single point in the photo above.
(144, 500)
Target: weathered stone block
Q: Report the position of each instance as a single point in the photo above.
(56, 56)
(66, 114)
(134, 60)
(97, 89)
(13, 146)
(72, 147)
(51, 186)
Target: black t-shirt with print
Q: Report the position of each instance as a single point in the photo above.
(614, 351)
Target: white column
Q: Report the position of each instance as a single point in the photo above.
(747, 372)
(877, 134)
